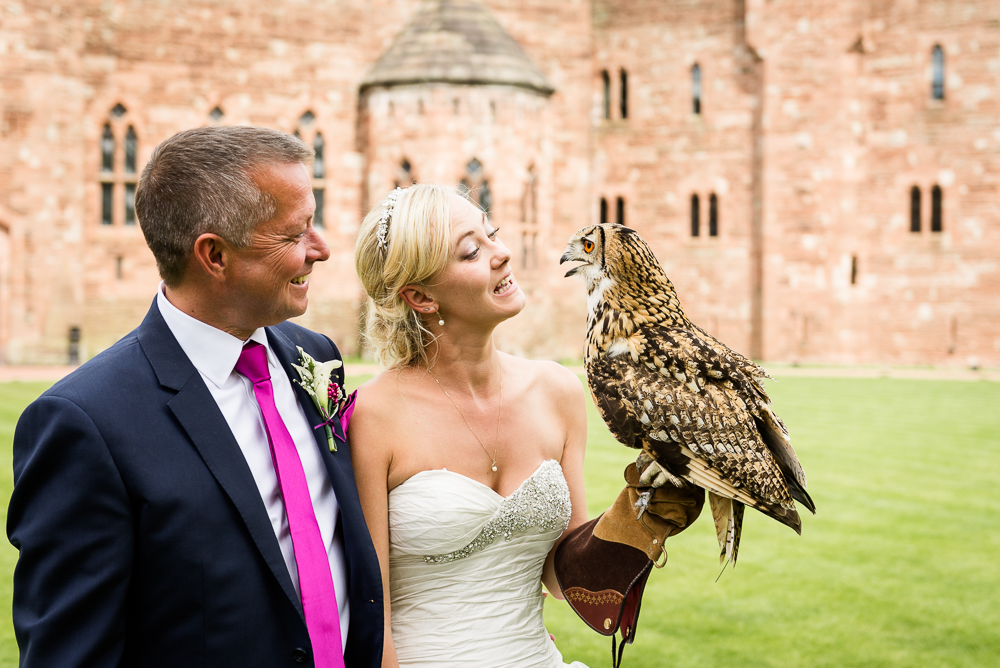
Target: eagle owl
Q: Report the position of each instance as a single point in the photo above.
(696, 408)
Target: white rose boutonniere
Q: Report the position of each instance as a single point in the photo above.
(314, 378)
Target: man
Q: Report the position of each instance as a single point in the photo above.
(174, 502)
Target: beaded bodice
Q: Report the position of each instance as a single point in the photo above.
(542, 501)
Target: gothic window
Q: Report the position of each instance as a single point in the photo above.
(404, 176)
(696, 88)
(119, 169)
(915, 209)
(713, 215)
(620, 210)
(606, 105)
(624, 93)
(216, 114)
(107, 149)
(130, 149)
(604, 211)
(319, 176)
(937, 73)
(695, 216)
(936, 202)
(308, 133)
(475, 186)
(130, 203)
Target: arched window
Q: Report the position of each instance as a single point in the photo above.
(713, 215)
(319, 174)
(696, 88)
(620, 210)
(915, 209)
(476, 187)
(624, 92)
(606, 83)
(937, 73)
(107, 175)
(695, 216)
(937, 223)
(604, 211)
(119, 168)
(107, 149)
(404, 175)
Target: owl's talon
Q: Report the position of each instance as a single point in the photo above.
(642, 503)
(653, 475)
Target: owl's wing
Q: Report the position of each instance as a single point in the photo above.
(696, 426)
(607, 382)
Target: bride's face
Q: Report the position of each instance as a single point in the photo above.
(478, 284)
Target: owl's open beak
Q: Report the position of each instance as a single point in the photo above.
(567, 257)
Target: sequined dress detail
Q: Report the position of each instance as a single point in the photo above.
(465, 567)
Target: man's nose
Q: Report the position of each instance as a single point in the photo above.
(318, 250)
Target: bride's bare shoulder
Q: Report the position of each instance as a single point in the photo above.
(549, 378)
(385, 396)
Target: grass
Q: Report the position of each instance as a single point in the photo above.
(897, 569)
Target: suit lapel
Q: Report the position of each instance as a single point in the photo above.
(199, 415)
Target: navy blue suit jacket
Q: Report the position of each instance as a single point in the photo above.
(142, 535)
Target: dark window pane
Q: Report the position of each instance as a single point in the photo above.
(937, 73)
(914, 209)
(696, 88)
(107, 195)
(319, 166)
(118, 110)
(604, 211)
(624, 94)
(319, 195)
(130, 150)
(307, 118)
(606, 81)
(713, 216)
(107, 150)
(216, 114)
(936, 223)
(695, 216)
(474, 167)
(485, 197)
(854, 269)
(130, 204)
(620, 211)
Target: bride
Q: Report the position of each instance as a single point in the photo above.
(469, 461)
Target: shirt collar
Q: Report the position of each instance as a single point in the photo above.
(213, 352)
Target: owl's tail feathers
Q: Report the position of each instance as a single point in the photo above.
(728, 516)
(800, 494)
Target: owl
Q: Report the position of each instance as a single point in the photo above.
(696, 408)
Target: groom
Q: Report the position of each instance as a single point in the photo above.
(174, 503)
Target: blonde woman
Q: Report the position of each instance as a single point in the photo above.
(469, 461)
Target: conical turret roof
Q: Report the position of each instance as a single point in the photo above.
(456, 41)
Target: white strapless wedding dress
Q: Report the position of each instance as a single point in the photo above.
(465, 568)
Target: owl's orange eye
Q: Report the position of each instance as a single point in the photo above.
(588, 245)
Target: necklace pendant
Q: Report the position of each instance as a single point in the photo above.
(494, 467)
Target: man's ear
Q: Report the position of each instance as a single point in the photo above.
(212, 254)
(418, 299)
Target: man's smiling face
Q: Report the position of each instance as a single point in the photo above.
(270, 277)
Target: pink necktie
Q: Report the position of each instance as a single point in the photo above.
(319, 598)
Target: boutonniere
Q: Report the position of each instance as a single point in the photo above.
(333, 404)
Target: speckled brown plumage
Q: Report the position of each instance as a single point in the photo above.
(664, 385)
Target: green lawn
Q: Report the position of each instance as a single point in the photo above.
(897, 569)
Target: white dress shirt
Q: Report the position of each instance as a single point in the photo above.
(214, 354)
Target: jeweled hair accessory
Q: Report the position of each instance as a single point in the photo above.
(383, 224)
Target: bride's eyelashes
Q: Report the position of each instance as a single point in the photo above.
(491, 234)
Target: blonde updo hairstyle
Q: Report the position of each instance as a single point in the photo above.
(419, 244)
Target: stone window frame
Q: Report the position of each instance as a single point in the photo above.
(475, 184)
(936, 222)
(119, 149)
(310, 131)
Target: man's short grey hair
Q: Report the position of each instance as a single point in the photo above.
(202, 181)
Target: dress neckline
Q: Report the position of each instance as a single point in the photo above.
(476, 482)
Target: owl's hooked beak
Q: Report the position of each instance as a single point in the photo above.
(568, 257)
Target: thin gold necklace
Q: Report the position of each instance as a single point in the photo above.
(499, 413)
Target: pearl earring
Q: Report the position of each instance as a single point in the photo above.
(440, 320)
